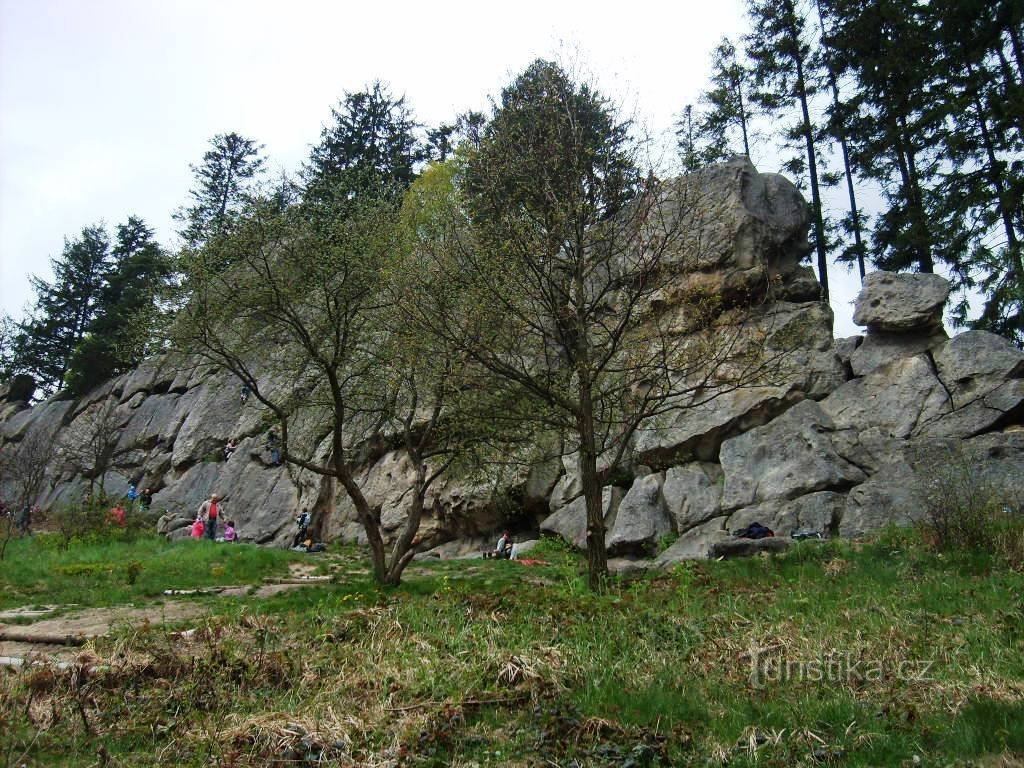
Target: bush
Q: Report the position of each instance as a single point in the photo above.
(966, 510)
(89, 522)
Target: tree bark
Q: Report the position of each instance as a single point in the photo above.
(812, 170)
(597, 557)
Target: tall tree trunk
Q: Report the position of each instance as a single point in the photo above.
(597, 557)
(840, 133)
(995, 176)
(812, 170)
(743, 116)
(1018, 48)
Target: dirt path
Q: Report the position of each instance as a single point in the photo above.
(90, 623)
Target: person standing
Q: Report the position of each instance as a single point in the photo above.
(209, 511)
(273, 443)
(145, 500)
(302, 524)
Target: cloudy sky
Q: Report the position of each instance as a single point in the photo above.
(104, 103)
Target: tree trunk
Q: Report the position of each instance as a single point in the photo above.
(597, 557)
(743, 116)
(996, 177)
(812, 170)
(403, 550)
(363, 511)
(841, 135)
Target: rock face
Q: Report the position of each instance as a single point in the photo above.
(837, 441)
(901, 302)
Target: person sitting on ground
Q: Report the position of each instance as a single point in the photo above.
(117, 515)
(503, 549)
(230, 535)
(229, 449)
(209, 512)
(197, 528)
(145, 500)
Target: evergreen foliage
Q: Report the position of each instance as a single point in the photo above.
(222, 181)
(370, 148)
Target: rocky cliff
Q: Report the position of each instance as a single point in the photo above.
(833, 444)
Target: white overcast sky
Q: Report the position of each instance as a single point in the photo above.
(104, 103)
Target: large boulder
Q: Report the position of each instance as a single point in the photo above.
(790, 457)
(570, 522)
(641, 519)
(694, 544)
(693, 493)
(900, 302)
(984, 377)
(893, 494)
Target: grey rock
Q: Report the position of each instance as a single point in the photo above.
(738, 218)
(819, 512)
(845, 348)
(747, 547)
(694, 544)
(984, 377)
(570, 522)
(791, 456)
(891, 301)
(641, 519)
(693, 493)
(896, 398)
(880, 348)
(210, 422)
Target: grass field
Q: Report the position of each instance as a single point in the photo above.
(881, 654)
(37, 570)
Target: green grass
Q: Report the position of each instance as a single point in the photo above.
(495, 663)
(37, 570)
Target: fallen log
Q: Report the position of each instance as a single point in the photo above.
(16, 635)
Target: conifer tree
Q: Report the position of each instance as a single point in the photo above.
(64, 308)
(222, 181)
(893, 122)
(370, 148)
(127, 306)
(727, 102)
(784, 67)
(852, 222)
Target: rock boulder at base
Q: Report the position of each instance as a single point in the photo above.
(641, 519)
(736, 547)
(693, 493)
(817, 512)
(570, 522)
(695, 543)
(899, 302)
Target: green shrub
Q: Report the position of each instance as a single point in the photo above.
(968, 511)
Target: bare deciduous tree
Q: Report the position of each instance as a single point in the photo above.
(554, 267)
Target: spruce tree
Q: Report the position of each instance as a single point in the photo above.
(222, 181)
(893, 122)
(784, 67)
(727, 101)
(852, 222)
(64, 308)
(119, 337)
(370, 148)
